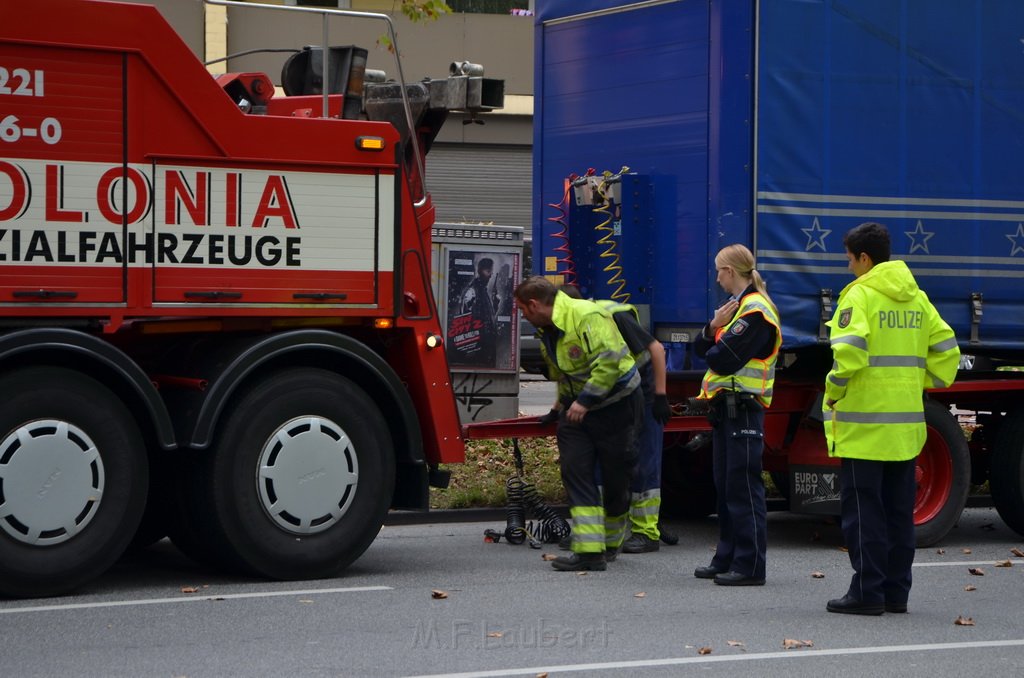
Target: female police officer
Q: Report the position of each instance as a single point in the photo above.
(740, 346)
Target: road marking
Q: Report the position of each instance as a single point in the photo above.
(967, 563)
(187, 598)
(707, 659)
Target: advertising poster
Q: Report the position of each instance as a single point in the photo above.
(481, 331)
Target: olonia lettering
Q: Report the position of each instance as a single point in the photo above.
(97, 247)
(899, 320)
(187, 196)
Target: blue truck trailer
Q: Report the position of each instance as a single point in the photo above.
(667, 129)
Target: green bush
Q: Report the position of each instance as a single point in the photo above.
(480, 481)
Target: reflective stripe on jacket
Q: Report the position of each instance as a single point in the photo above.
(889, 344)
(592, 362)
(757, 376)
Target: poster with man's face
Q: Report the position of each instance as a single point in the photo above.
(481, 331)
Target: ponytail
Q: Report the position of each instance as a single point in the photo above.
(762, 289)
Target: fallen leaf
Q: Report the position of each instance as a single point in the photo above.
(976, 571)
(792, 643)
(641, 594)
(305, 600)
(548, 556)
(963, 621)
(967, 551)
(844, 549)
(189, 589)
(542, 675)
(582, 574)
(495, 634)
(734, 643)
(818, 575)
(438, 594)
(941, 552)
(1017, 552)
(704, 650)
(970, 587)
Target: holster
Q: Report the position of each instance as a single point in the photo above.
(727, 405)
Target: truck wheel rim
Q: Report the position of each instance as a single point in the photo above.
(308, 475)
(51, 482)
(934, 475)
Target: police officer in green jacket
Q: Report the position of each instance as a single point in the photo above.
(600, 406)
(889, 345)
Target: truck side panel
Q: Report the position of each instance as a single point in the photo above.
(129, 177)
(783, 125)
(907, 113)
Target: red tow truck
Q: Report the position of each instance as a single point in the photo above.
(216, 319)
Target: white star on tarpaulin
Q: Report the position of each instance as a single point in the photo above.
(1017, 239)
(921, 244)
(815, 236)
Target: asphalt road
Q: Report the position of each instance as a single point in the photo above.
(506, 612)
(536, 394)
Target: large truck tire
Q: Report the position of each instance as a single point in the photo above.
(185, 520)
(73, 481)
(159, 499)
(943, 476)
(300, 477)
(1007, 471)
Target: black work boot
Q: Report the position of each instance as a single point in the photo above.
(575, 562)
(850, 605)
(668, 537)
(640, 543)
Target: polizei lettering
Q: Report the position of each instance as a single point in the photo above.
(899, 320)
(85, 213)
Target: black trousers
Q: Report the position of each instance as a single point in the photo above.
(877, 503)
(742, 512)
(604, 439)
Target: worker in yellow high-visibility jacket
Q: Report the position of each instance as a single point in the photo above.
(600, 405)
(889, 344)
(645, 497)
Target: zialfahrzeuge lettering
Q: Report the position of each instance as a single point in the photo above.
(63, 213)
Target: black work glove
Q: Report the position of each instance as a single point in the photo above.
(660, 409)
(549, 418)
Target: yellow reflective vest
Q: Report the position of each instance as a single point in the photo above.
(758, 375)
(591, 361)
(889, 344)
